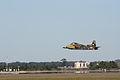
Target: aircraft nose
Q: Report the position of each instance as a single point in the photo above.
(64, 47)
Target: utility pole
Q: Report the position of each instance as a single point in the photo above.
(18, 68)
(6, 69)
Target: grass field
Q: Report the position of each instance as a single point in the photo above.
(62, 77)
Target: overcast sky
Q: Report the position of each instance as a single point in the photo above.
(36, 30)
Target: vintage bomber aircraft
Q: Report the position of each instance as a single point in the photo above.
(77, 46)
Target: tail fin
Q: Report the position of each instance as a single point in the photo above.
(94, 43)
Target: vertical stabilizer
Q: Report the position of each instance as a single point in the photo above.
(94, 43)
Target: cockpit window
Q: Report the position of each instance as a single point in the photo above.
(74, 43)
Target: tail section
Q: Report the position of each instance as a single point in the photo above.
(94, 43)
(96, 48)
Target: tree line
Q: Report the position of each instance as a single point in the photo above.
(103, 65)
(33, 66)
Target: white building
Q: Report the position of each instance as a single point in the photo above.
(81, 64)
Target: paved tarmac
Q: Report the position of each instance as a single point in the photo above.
(107, 73)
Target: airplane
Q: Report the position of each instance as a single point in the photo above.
(77, 46)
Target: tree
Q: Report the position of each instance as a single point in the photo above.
(64, 62)
(107, 65)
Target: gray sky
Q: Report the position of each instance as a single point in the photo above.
(36, 30)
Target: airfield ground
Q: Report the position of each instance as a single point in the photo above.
(95, 76)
